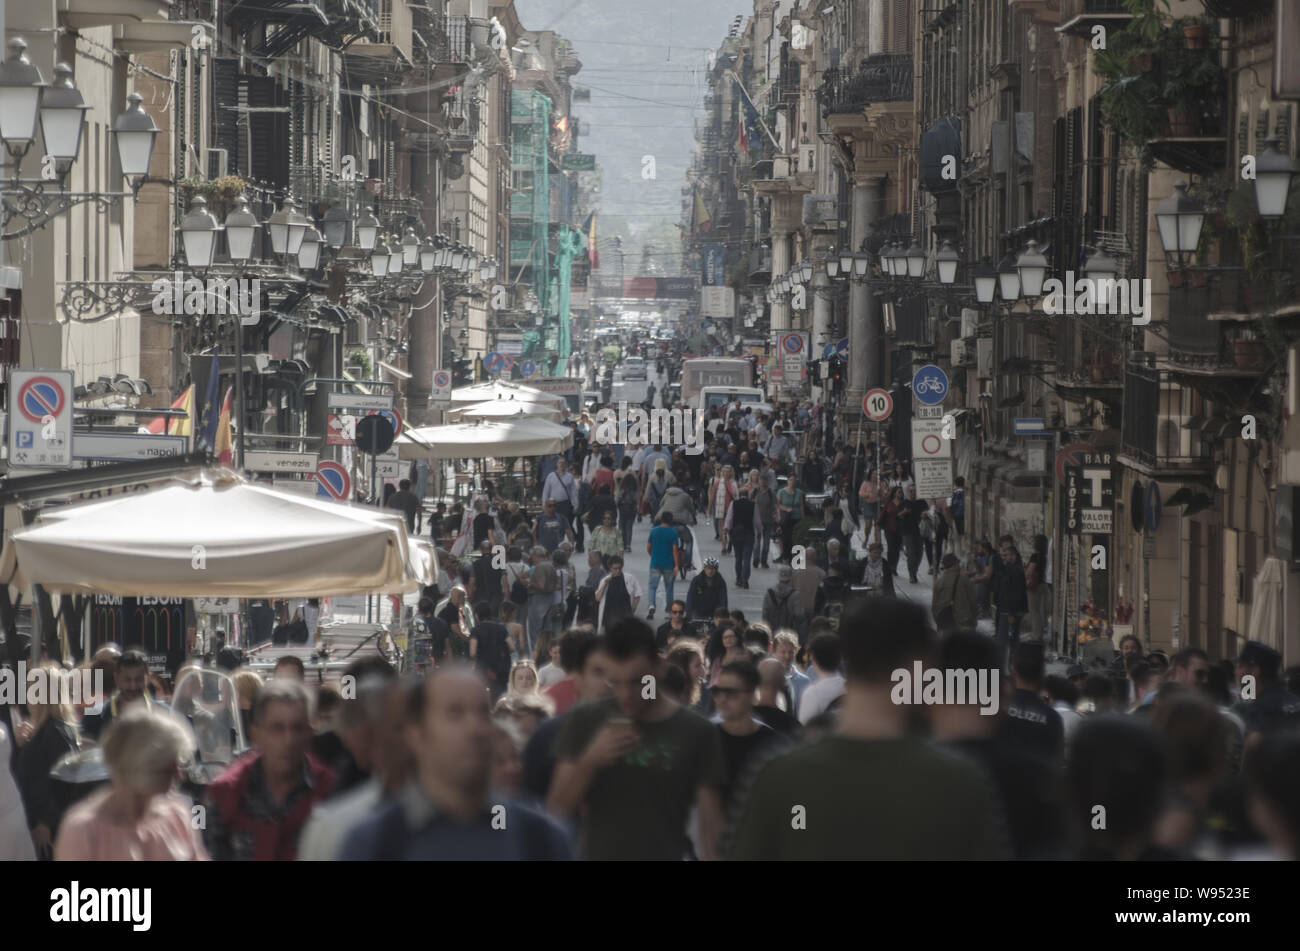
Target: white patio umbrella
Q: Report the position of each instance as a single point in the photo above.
(213, 536)
(485, 439)
(502, 390)
(505, 409)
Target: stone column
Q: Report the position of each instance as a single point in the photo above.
(864, 307)
(820, 290)
(780, 264)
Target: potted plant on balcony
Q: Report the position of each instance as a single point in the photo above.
(1193, 86)
(1196, 32)
(1248, 351)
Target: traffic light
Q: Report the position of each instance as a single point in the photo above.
(461, 372)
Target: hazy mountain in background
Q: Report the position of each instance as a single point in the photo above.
(644, 62)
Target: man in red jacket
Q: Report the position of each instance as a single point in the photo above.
(258, 806)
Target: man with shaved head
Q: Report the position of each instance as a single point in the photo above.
(448, 811)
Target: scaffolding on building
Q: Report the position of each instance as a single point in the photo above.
(530, 211)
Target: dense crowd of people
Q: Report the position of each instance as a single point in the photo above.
(551, 713)
(740, 742)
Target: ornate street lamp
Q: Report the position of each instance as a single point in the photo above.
(986, 281)
(241, 226)
(287, 227)
(135, 132)
(946, 261)
(21, 86)
(63, 116)
(1178, 219)
(367, 232)
(335, 224)
(199, 235)
(1032, 268)
(1274, 171)
(915, 258)
(1008, 278)
(410, 248)
(806, 268)
(846, 261)
(1099, 267)
(861, 264)
(428, 255)
(379, 258)
(832, 264)
(309, 250)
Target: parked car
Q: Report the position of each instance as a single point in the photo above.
(634, 368)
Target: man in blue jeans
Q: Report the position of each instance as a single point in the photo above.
(664, 548)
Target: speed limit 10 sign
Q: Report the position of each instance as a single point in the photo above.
(878, 405)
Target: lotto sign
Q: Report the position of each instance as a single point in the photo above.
(928, 441)
(1089, 496)
(341, 431)
(441, 392)
(40, 421)
(878, 405)
(333, 481)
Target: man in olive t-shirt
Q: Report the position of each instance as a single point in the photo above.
(633, 765)
(869, 790)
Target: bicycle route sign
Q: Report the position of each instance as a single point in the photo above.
(929, 385)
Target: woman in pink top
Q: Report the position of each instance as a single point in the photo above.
(138, 817)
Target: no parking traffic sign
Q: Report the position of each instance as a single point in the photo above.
(40, 420)
(333, 481)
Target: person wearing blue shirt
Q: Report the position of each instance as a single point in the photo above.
(664, 548)
(448, 812)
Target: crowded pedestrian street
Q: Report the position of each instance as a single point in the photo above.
(579, 431)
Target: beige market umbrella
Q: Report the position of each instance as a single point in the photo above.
(216, 535)
(485, 439)
(502, 390)
(504, 409)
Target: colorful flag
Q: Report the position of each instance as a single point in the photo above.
(225, 445)
(209, 413)
(162, 425)
(703, 221)
(592, 254)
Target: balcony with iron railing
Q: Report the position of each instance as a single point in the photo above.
(883, 77)
(1161, 431)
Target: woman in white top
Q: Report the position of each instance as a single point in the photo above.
(721, 492)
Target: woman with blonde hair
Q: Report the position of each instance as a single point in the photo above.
(248, 684)
(49, 734)
(523, 679)
(138, 817)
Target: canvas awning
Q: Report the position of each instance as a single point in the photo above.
(500, 390)
(216, 535)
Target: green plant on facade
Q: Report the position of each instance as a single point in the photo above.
(360, 358)
(223, 190)
(1153, 81)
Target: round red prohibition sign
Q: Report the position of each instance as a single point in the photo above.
(928, 448)
(40, 397)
